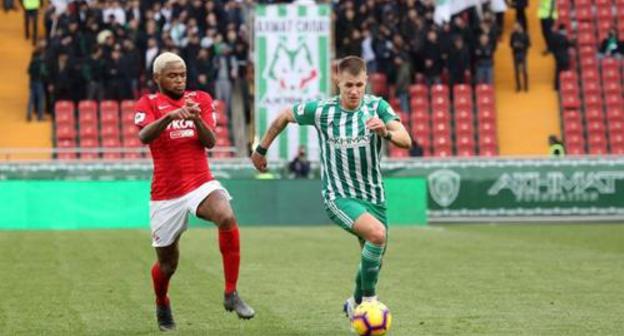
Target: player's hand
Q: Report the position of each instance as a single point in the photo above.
(259, 161)
(377, 125)
(193, 108)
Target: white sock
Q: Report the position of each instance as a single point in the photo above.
(369, 298)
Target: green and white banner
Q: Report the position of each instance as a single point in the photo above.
(292, 65)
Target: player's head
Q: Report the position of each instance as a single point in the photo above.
(351, 80)
(170, 74)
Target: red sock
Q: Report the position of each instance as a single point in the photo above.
(229, 245)
(161, 285)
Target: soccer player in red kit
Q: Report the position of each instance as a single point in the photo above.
(178, 125)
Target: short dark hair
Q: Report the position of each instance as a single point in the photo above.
(352, 64)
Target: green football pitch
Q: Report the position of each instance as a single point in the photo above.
(442, 280)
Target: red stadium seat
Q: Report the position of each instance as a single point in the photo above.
(463, 100)
(420, 129)
(419, 116)
(66, 144)
(613, 101)
(463, 115)
(112, 142)
(591, 88)
(488, 151)
(88, 130)
(571, 127)
(441, 129)
(485, 89)
(109, 131)
(487, 127)
(464, 128)
(615, 114)
(418, 90)
(64, 112)
(466, 151)
(440, 115)
(569, 101)
(593, 101)
(65, 132)
(88, 144)
(419, 103)
(442, 146)
(584, 12)
(593, 114)
(439, 90)
(486, 113)
(379, 84)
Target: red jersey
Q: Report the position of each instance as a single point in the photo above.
(180, 163)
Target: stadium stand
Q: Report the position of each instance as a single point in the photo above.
(591, 91)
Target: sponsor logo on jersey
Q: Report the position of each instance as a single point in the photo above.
(184, 133)
(362, 140)
(180, 124)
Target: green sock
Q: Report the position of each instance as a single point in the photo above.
(371, 262)
(357, 293)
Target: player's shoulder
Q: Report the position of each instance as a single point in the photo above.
(328, 102)
(370, 99)
(146, 100)
(198, 94)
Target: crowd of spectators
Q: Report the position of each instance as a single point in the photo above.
(401, 40)
(103, 49)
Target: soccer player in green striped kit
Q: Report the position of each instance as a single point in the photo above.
(351, 128)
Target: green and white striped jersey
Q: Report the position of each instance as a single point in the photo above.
(350, 153)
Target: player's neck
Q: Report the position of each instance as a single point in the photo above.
(171, 95)
(347, 108)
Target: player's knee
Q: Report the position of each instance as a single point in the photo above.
(226, 220)
(378, 235)
(168, 268)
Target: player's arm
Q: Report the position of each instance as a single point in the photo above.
(151, 131)
(204, 133)
(277, 126)
(398, 135)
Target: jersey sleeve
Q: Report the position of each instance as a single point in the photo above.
(304, 112)
(208, 111)
(143, 113)
(386, 112)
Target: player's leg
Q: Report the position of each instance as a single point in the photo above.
(216, 208)
(168, 221)
(373, 232)
(162, 271)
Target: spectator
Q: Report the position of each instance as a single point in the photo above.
(458, 62)
(612, 45)
(560, 44)
(416, 150)
(8, 5)
(60, 79)
(547, 14)
(520, 6)
(404, 79)
(432, 59)
(31, 18)
(37, 73)
(484, 60)
(368, 54)
(225, 64)
(555, 146)
(299, 167)
(520, 44)
(94, 72)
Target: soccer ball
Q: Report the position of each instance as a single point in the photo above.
(371, 319)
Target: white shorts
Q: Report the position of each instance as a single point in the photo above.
(169, 218)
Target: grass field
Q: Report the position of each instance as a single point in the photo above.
(444, 280)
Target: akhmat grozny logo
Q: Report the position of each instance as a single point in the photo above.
(292, 69)
(444, 186)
